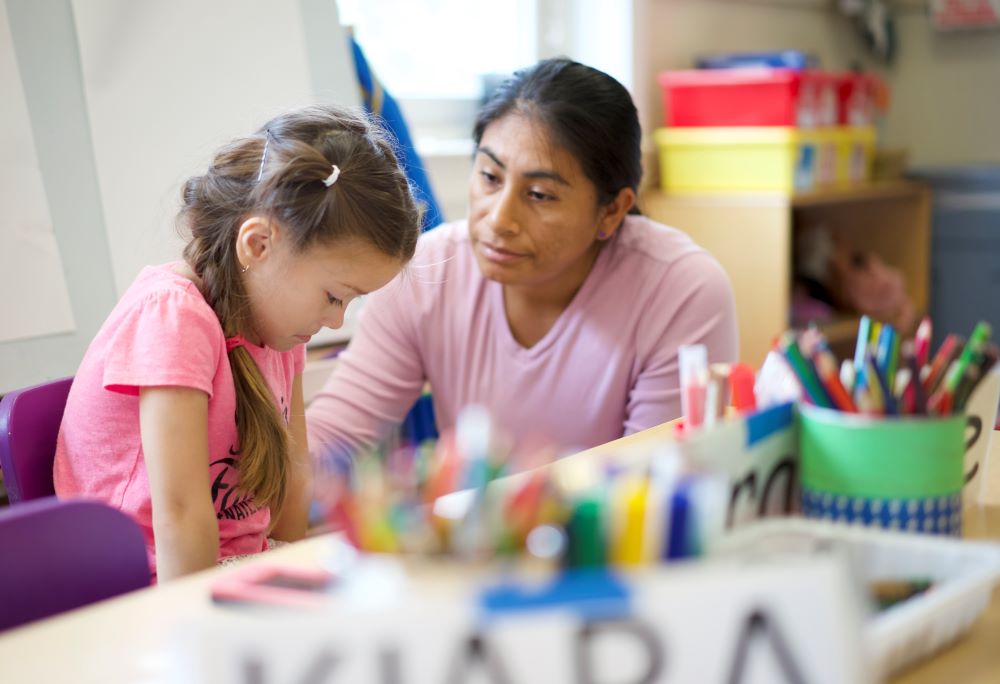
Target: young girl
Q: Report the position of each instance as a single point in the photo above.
(187, 409)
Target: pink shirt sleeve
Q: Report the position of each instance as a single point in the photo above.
(376, 381)
(168, 339)
(698, 306)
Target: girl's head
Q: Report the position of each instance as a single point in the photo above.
(557, 167)
(287, 226)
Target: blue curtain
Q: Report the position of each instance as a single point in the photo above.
(380, 103)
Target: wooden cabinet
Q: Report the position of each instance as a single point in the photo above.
(751, 236)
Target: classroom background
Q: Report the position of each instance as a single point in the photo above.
(881, 155)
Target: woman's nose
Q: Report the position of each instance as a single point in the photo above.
(503, 214)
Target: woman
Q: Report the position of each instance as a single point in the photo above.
(555, 304)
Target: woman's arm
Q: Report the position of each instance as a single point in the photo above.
(174, 426)
(376, 381)
(694, 305)
(292, 520)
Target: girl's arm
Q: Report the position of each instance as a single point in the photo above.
(174, 425)
(292, 520)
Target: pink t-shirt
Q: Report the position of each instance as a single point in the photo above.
(162, 334)
(606, 368)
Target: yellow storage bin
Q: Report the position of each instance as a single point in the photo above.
(855, 154)
(742, 159)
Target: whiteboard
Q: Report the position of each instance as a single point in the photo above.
(167, 83)
(35, 299)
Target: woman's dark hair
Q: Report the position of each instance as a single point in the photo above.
(279, 174)
(588, 113)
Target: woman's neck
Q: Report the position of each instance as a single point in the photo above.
(532, 310)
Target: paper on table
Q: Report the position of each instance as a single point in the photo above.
(35, 299)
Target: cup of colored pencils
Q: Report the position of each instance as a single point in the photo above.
(882, 435)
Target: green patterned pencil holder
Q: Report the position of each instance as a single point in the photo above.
(898, 473)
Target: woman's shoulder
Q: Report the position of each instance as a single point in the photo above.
(643, 238)
(443, 255)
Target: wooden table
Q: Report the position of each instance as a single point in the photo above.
(127, 639)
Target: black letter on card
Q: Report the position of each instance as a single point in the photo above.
(591, 630)
(758, 625)
(475, 649)
(787, 466)
(318, 672)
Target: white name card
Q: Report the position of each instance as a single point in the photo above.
(736, 623)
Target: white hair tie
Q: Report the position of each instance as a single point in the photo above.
(332, 178)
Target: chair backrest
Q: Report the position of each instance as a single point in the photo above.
(29, 425)
(56, 555)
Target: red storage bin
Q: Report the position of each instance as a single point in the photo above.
(750, 97)
(859, 98)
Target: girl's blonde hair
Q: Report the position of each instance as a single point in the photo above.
(279, 174)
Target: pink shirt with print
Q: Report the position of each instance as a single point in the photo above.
(162, 334)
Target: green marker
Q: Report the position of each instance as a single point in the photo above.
(804, 370)
(586, 536)
(975, 346)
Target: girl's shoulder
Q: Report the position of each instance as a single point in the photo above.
(167, 290)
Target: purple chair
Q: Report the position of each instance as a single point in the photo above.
(63, 554)
(29, 425)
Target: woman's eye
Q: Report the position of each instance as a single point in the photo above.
(536, 195)
(490, 178)
(333, 300)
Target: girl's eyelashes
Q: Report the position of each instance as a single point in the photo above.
(333, 300)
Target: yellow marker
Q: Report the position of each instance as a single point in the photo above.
(629, 521)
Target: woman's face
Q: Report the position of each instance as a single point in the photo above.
(534, 219)
(295, 294)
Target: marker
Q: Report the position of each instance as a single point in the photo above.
(847, 375)
(804, 370)
(826, 366)
(861, 346)
(976, 344)
(741, 381)
(693, 362)
(942, 360)
(887, 354)
(922, 341)
(875, 385)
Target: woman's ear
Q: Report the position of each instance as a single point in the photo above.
(255, 241)
(613, 213)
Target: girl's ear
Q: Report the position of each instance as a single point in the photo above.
(255, 241)
(612, 214)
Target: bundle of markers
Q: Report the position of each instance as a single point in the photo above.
(448, 499)
(890, 376)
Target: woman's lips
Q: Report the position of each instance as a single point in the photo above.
(499, 255)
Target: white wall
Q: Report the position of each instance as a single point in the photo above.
(76, 135)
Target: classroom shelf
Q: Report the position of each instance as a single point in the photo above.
(751, 235)
(840, 330)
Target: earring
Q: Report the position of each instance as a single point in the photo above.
(602, 235)
(245, 268)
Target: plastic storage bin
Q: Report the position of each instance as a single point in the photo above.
(750, 97)
(855, 152)
(856, 99)
(772, 159)
(963, 575)
(787, 59)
